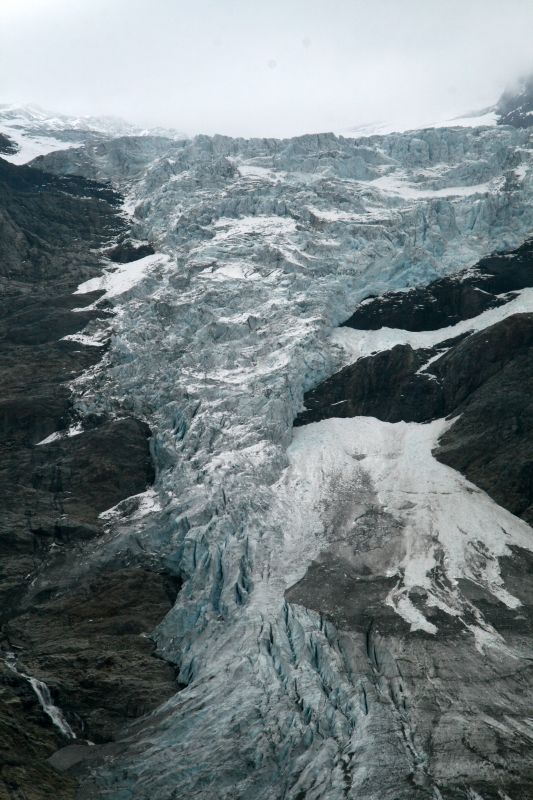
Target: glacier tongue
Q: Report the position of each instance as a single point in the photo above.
(271, 244)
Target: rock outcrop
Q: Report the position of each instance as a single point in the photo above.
(515, 106)
(7, 145)
(449, 300)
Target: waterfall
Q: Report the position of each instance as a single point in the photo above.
(44, 696)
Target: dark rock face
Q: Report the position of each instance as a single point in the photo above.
(27, 740)
(127, 251)
(54, 493)
(91, 646)
(449, 300)
(387, 386)
(48, 227)
(83, 634)
(492, 441)
(7, 146)
(515, 107)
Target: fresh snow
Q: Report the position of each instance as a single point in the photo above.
(395, 185)
(133, 507)
(83, 338)
(74, 430)
(53, 437)
(475, 120)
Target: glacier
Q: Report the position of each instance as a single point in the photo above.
(263, 248)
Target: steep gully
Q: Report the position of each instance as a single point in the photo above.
(76, 661)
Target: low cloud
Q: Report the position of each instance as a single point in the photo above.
(244, 67)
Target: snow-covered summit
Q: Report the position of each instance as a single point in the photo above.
(475, 119)
(37, 131)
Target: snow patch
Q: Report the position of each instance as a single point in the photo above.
(74, 430)
(32, 146)
(394, 185)
(449, 528)
(361, 343)
(134, 507)
(83, 338)
(124, 277)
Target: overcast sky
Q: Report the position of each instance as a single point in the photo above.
(263, 67)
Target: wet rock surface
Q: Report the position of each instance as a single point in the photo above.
(27, 740)
(90, 644)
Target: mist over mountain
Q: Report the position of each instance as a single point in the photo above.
(256, 69)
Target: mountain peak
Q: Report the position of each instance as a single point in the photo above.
(515, 106)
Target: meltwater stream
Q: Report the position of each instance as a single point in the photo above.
(44, 697)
